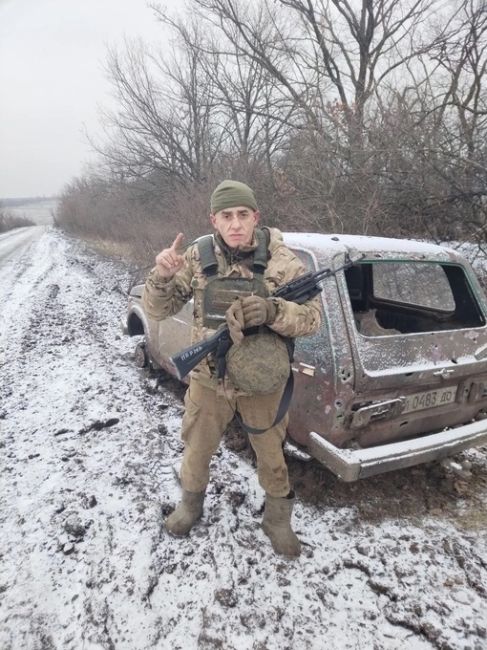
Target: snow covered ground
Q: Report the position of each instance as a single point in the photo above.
(88, 445)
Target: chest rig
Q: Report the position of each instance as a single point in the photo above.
(263, 358)
(220, 292)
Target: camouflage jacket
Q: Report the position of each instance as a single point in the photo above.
(165, 297)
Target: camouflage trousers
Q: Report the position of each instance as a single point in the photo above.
(206, 417)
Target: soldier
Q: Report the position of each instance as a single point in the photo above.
(244, 261)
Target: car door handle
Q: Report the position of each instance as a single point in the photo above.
(444, 372)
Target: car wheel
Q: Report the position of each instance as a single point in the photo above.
(141, 357)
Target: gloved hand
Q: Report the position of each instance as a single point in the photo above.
(250, 311)
(235, 321)
(258, 311)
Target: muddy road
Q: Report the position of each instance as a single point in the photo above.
(88, 447)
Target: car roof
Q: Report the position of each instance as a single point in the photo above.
(330, 245)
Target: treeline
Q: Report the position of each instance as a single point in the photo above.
(362, 116)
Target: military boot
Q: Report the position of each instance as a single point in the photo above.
(187, 513)
(277, 525)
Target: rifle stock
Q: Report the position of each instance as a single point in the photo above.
(191, 356)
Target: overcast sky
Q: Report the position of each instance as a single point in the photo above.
(52, 81)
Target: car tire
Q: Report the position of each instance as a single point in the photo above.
(141, 357)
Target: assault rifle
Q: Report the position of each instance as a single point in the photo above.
(299, 291)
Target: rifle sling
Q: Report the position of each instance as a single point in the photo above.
(209, 262)
(281, 409)
(220, 365)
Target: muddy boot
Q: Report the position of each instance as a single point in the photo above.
(187, 513)
(277, 525)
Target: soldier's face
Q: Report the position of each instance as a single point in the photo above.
(235, 225)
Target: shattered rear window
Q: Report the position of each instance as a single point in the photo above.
(390, 298)
(422, 284)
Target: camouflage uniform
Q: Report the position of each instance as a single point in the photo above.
(210, 406)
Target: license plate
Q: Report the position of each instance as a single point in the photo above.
(429, 399)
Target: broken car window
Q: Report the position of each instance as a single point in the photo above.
(390, 298)
(421, 284)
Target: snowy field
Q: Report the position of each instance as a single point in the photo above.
(40, 212)
(88, 445)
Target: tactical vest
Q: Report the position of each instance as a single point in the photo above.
(220, 293)
(261, 363)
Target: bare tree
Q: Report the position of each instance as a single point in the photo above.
(253, 117)
(330, 60)
(163, 122)
(337, 50)
(350, 115)
(455, 116)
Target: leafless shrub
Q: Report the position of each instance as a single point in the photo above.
(9, 221)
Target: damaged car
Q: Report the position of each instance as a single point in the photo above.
(397, 374)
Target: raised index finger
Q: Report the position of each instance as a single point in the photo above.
(177, 242)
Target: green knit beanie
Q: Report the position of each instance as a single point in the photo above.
(230, 194)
